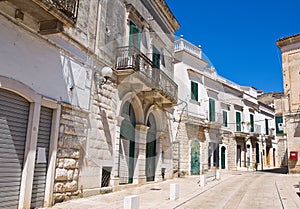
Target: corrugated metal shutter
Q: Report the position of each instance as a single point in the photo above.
(14, 111)
(41, 161)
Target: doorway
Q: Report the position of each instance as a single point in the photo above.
(238, 156)
(195, 158)
(223, 158)
(151, 149)
(268, 156)
(127, 145)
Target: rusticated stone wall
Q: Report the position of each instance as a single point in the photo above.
(72, 135)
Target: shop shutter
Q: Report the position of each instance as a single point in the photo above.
(14, 111)
(41, 161)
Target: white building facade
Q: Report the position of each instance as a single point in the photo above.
(221, 124)
(69, 126)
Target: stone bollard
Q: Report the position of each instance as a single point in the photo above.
(174, 191)
(202, 180)
(218, 174)
(132, 202)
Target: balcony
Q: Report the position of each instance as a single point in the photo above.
(45, 16)
(255, 131)
(216, 120)
(130, 60)
(183, 45)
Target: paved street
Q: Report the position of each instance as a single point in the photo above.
(236, 189)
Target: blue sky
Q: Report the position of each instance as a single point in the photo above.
(239, 37)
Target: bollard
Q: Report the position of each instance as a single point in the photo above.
(174, 191)
(132, 202)
(218, 174)
(202, 180)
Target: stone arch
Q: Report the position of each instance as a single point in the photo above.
(159, 115)
(20, 89)
(136, 104)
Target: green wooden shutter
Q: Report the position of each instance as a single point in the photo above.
(212, 114)
(251, 123)
(194, 91)
(267, 126)
(238, 121)
(257, 153)
(278, 120)
(225, 121)
(156, 57)
(134, 35)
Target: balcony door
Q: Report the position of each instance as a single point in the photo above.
(134, 35)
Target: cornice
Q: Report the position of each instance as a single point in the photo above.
(288, 40)
(168, 13)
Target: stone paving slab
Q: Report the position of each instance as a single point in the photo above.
(156, 195)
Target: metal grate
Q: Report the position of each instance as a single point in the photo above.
(68, 7)
(106, 171)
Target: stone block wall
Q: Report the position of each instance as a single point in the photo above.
(186, 133)
(72, 135)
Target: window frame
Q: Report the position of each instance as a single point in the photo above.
(225, 119)
(267, 131)
(212, 114)
(238, 125)
(193, 96)
(251, 123)
(277, 122)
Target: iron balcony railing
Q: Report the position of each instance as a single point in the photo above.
(67, 7)
(129, 57)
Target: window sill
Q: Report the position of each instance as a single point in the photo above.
(194, 102)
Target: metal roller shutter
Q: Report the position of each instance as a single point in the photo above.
(14, 111)
(41, 161)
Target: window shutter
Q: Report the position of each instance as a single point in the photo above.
(156, 57)
(238, 121)
(194, 91)
(225, 122)
(251, 123)
(212, 116)
(267, 126)
(279, 122)
(134, 35)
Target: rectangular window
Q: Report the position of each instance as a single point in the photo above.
(156, 56)
(279, 124)
(267, 126)
(238, 121)
(134, 35)
(212, 112)
(225, 119)
(194, 90)
(251, 123)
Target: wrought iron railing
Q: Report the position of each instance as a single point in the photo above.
(129, 57)
(68, 7)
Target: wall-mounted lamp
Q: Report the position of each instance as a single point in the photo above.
(102, 77)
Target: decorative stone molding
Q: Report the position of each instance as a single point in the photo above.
(168, 13)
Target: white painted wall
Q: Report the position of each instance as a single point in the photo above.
(41, 66)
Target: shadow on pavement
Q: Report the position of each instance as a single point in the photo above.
(282, 170)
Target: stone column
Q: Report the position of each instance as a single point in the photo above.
(139, 176)
(114, 180)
